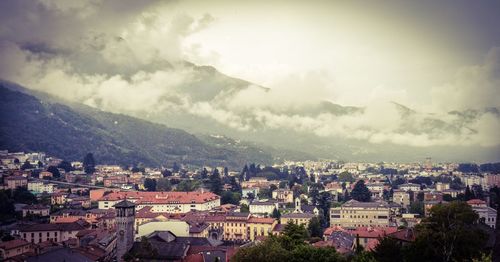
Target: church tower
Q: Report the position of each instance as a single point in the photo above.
(125, 219)
(298, 208)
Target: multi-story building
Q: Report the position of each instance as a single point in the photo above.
(263, 207)
(442, 186)
(297, 218)
(36, 210)
(37, 233)
(171, 202)
(493, 180)
(402, 198)
(410, 187)
(283, 195)
(13, 182)
(37, 187)
(358, 214)
(14, 248)
(486, 214)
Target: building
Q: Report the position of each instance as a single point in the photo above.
(38, 187)
(14, 248)
(410, 187)
(283, 195)
(36, 210)
(442, 186)
(402, 198)
(178, 227)
(125, 219)
(247, 191)
(13, 182)
(38, 233)
(297, 218)
(354, 214)
(263, 207)
(171, 202)
(486, 214)
(493, 180)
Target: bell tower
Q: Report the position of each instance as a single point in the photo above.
(125, 219)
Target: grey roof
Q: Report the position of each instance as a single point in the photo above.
(124, 204)
(60, 254)
(355, 203)
(298, 215)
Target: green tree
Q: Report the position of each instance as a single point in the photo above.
(244, 208)
(468, 194)
(188, 185)
(229, 197)
(150, 184)
(346, 177)
(450, 233)
(388, 250)
(314, 228)
(89, 163)
(163, 184)
(276, 214)
(65, 165)
(216, 182)
(55, 172)
(360, 192)
(26, 165)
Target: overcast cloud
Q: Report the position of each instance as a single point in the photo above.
(129, 57)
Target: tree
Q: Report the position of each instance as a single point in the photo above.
(26, 165)
(314, 228)
(216, 183)
(346, 177)
(55, 172)
(150, 184)
(276, 214)
(166, 173)
(65, 165)
(244, 208)
(229, 197)
(235, 186)
(360, 192)
(324, 200)
(468, 194)
(204, 173)
(175, 168)
(450, 233)
(388, 250)
(89, 163)
(188, 186)
(163, 184)
(7, 206)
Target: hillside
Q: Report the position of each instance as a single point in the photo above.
(30, 124)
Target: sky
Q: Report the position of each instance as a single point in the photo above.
(433, 57)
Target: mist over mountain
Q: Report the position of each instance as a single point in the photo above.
(327, 94)
(70, 131)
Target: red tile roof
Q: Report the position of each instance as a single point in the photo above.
(7, 245)
(161, 197)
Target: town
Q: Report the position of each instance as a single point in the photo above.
(53, 209)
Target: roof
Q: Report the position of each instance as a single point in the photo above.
(476, 202)
(75, 226)
(355, 203)
(13, 244)
(36, 207)
(125, 204)
(60, 254)
(170, 197)
(298, 215)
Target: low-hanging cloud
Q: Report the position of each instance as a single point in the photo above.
(139, 68)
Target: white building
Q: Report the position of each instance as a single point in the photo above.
(170, 202)
(37, 187)
(263, 207)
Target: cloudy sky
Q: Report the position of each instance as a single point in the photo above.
(433, 57)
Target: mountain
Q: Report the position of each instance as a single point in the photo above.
(31, 124)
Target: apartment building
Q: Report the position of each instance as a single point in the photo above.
(354, 214)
